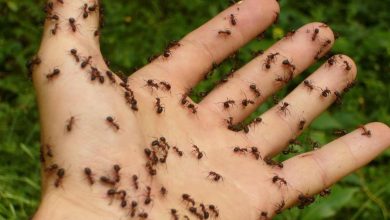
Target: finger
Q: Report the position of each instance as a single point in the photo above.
(321, 168)
(268, 80)
(286, 120)
(188, 61)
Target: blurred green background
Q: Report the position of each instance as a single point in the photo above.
(137, 29)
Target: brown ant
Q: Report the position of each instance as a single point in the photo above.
(174, 214)
(279, 179)
(179, 152)
(255, 90)
(117, 177)
(215, 176)
(135, 181)
(305, 201)
(151, 170)
(325, 92)
(86, 62)
(365, 132)
(270, 162)
(53, 74)
(206, 214)
(301, 124)
(107, 180)
(290, 34)
(163, 191)
(255, 152)
(197, 151)
(224, 32)
(233, 19)
(88, 173)
(85, 11)
(215, 210)
(284, 108)
(53, 17)
(143, 215)
(228, 103)
(148, 199)
(60, 176)
(150, 83)
(338, 97)
(72, 23)
(308, 84)
(193, 108)
(347, 65)
(245, 102)
(280, 206)
(331, 61)
(48, 8)
(240, 150)
(257, 121)
(51, 168)
(315, 34)
(35, 61)
(270, 59)
(110, 76)
(70, 123)
(49, 151)
(325, 192)
(110, 120)
(339, 132)
(187, 198)
(349, 86)
(159, 108)
(73, 52)
(263, 215)
(166, 85)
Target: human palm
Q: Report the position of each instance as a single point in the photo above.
(100, 131)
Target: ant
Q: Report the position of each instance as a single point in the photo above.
(264, 215)
(245, 102)
(150, 168)
(233, 19)
(179, 152)
(135, 181)
(290, 34)
(199, 154)
(308, 84)
(85, 11)
(279, 207)
(193, 108)
(206, 214)
(70, 123)
(279, 179)
(284, 108)
(48, 8)
(174, 214)
(73, 52)
(228, 103)
(60, 176)
(257, 121)
(365, 132)
(159, 107)
(338, 97)
(270, 58)
(150, 83)
(53, 17)
(117, 177)
(214, 209)
(72, 23)
(110, 76)
(325, 92)
(143, 215)
(240, 150)
(53, 74)
(88, 173)
(270, 162)
(92, 7)
(305, 201)
(187, 198)
(110, 120)
(255, 152)
(107, 180)
(255, 90)
(86, 62)
(325, 192)
(347, 66)
(166, 85)
(148, 199)
(339, 132)
(49, 152)
(315, 34)
(215, 176)
(225, 32)
(349, 86)
(301, 124)
(51, 168)
(163, 191)
(331, 61)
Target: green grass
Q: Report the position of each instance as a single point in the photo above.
(137, 29)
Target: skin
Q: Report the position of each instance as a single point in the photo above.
(246, 186)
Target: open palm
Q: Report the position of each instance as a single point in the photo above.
(115, 148)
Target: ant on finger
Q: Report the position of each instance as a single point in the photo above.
(55, 73)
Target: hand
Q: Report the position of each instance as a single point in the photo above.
(98, 132)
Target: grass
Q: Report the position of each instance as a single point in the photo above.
(137, 29)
